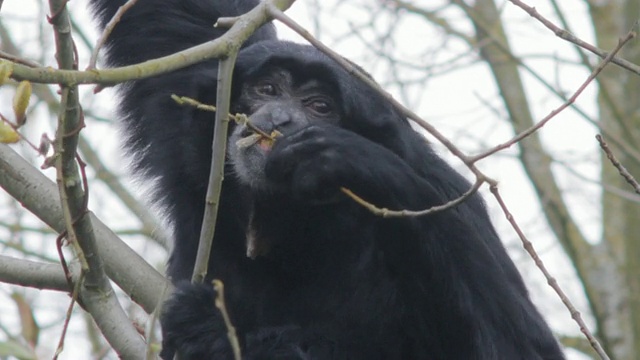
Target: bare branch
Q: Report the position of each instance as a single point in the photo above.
(38, 194)
(231, 330)
(39, 275)
(575, 314)
(386, 213)
(216, 174)
(562, 107)
(93, 286)
(563, 34)
(246, 25)
(621, 169)
(107, 31)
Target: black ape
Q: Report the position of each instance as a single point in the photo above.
(309, 273)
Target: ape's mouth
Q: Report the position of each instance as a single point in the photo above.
(265, 144)
(263, 140)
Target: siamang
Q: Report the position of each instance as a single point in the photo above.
(309, 273)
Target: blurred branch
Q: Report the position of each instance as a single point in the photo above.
(96, 292)
(566, 35)
(621, 169)
(537, 163)
(604, 87)
(10, 51)
(578, 343)
(39, 275)
(107, 31)
(434, 18)
(150, 226)
(490, 39)
(38, 195)
(535, 127)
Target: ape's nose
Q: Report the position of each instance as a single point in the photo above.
(284, 116)
(280, 117)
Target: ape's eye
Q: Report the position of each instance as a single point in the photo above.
(321, 107)
(266, 89)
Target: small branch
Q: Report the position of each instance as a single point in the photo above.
(245, 25)
(564, 34)
(240, 119)
(71, 192)
(150, 333)
(93, 286)
(19, 60)
(487, 27)
(67, 317)
(39, 275)
(386, 213)
(621, 43)
(38, 195)
(528, 246)
(107, 31)
(578, 343)
(231, 330)
(150, 225)
(621, 169)
(216, 174)
(226, 22)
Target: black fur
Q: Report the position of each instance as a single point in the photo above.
(337, 281)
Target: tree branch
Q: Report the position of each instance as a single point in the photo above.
(38, 195)
(39, 275)
(244, 27)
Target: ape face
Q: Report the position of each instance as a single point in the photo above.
(276, 102)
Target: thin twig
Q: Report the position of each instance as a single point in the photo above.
(566, 35)
(240, 119)
(95, 292)
(528, 246)
(216, 173)
(386, 213)
(231, 330)
(621, 43)
(19, 60)
(107, 31)
(67, 317)
(621, 169)
(23, 138)
(153, 322)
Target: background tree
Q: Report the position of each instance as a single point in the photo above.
(480, 72)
